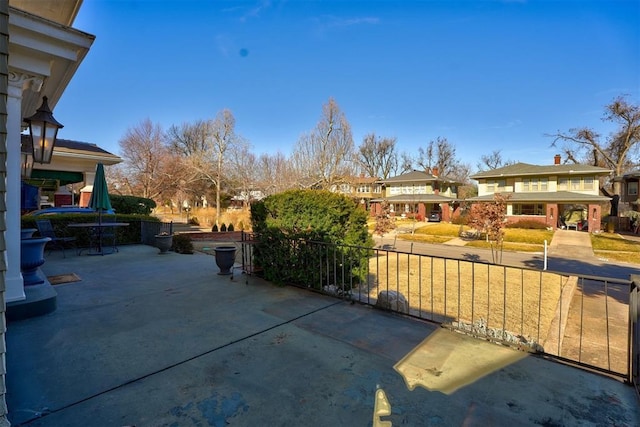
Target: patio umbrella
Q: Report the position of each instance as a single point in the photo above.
(100, 199)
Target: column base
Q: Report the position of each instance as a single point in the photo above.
(40, 300)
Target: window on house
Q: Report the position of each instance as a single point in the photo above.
(544, 184)
(632, 188)
(534, 184)
(529, 209)
(496, 185)
(588, 183)
(364, 188)
(575, 184)
(563, 184)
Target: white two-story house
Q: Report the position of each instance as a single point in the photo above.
(558, 195)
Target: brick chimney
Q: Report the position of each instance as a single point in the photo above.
(556, 159)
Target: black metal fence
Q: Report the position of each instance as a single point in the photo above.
(149, 229)
(581, 319)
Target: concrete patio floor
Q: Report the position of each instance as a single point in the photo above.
(162, 340)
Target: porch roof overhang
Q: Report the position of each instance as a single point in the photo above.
(48, 50)
(416, 198)
(545, 197)
(64, 177)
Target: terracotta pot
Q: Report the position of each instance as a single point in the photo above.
(225, 258)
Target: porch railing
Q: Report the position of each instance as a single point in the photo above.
(586, 320)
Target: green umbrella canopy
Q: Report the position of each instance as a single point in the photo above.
(100, 195)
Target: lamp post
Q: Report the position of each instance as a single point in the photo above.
(43, 129)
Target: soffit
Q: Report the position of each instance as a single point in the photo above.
(61, 11)
(44, 48)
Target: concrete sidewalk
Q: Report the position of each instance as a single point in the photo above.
(162, 340)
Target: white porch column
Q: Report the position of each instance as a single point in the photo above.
(13, 278)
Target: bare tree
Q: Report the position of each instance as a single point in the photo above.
(493, 161)
(441, 155)
(276, 174)
(243, 172)
(190, 142)
(377, 156)
(618, 151)
(324, 155)
(146, 160)
(221, 138)
(189, 138)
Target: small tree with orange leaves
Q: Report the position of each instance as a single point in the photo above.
(490, 218)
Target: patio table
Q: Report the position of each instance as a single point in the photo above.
(98, 249)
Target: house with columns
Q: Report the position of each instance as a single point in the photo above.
(40, 53)
(74, 164)
(557, 195)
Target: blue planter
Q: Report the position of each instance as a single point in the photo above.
(27, 233)
(31, 258)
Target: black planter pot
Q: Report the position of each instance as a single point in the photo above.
(225, 258)
(164, 242)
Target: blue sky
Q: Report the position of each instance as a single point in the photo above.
(487, 75)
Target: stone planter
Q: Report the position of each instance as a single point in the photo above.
(27, 233)
(164, 242)
(225, 258)
(31, 258)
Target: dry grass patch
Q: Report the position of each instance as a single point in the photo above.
(424, 238)
(615, 247)
(522, 302)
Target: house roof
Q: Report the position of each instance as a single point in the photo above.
(416, 198)
(525, 169)
(545, 197)
(629, 175)
(70, 147)
(415, 176)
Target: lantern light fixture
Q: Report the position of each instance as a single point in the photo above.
(43, 129)
(26, 164)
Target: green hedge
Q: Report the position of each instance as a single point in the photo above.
(131, 204)
(285, 223)
(130, 234)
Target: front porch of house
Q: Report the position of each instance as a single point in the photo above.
(259, 354)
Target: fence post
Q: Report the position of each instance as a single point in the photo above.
(634, 332)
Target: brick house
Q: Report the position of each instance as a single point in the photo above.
(558, 195)
(418, 194)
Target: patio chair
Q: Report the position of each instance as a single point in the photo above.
(45, 228)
